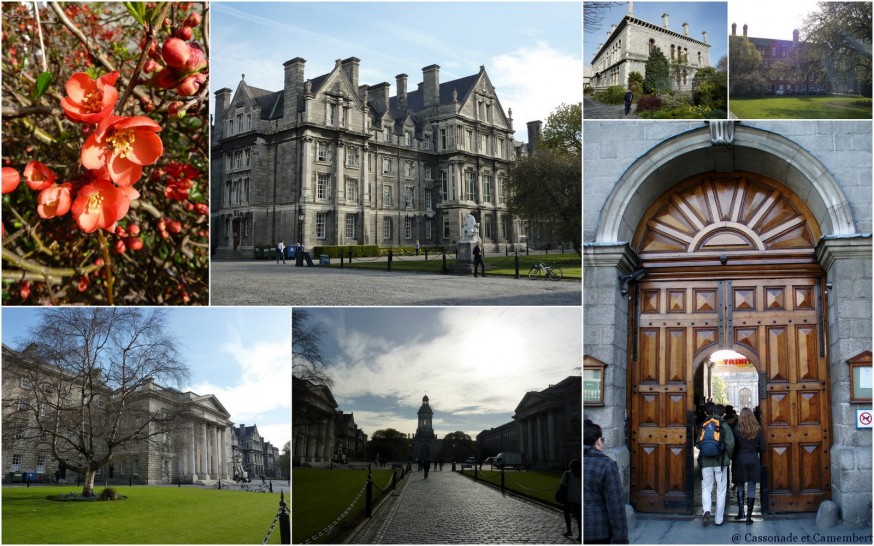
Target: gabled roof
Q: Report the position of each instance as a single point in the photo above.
(212, 402)
(416, 100)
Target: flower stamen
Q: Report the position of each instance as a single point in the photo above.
(95, 201)
(121, 142)
(93, 101)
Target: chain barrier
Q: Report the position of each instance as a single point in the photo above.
(386, 485)
(330, 527)
(522, 487)
(272, 527)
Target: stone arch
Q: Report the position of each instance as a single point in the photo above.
(690, 153)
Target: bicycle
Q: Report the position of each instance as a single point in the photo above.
(551, 271)
(219, 485)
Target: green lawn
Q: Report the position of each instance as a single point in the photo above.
(150, 515)
(321, 496)
(538, 485)
(801, 107)
(570, 264)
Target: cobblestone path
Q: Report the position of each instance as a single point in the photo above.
(448, 508)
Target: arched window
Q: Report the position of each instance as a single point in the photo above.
(651, 45)
(672, 52)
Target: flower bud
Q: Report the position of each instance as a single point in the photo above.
(184, 33)
(165, 79)
(193, 19)
(175, 52)
(191, 84)
(196, 61)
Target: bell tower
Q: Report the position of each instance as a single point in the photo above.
(425, 441)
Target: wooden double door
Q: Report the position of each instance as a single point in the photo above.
(778, 324)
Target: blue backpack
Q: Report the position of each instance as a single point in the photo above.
(710, 440)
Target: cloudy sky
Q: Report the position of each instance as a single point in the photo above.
(709, 16)
(241, 355)
(531, 51)
(474, 364)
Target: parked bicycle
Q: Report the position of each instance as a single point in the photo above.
(551, 271)
(220, 485)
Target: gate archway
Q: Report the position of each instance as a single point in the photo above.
(730, 262)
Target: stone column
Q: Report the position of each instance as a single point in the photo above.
(204, 468)
(847, 262)
(191, 450)
(224, 448)
(532, 451)
(215, 452)
(550, 436)
(540, 455)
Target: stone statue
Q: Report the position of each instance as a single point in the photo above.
(469, 229)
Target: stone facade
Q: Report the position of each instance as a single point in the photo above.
(330, 161)
(320, 432)
(198, 448)
(550, 424)
(628, 45)
(506, 437)
(628, 166)
(351, 440)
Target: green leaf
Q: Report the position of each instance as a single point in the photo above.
(42, 84)
(137, 11)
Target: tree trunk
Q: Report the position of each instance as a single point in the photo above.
(88, 485)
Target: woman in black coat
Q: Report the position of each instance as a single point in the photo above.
(747, 468)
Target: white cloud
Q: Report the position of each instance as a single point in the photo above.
(484, 364)
(533, 81)
(263, 384)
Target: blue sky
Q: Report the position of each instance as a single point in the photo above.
(709, 16)
(475, 364)
(241, 355)
(531, 51)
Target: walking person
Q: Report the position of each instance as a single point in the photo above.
(280, 252)
(603, 494)
(427, 467)
(749, 443)
(417, 247)
(715, 446)
(629, 97)
(572, 486)
(478, 259)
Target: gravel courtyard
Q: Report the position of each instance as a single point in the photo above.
(266, 283)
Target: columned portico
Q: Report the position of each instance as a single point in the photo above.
(191, 452)
(204, 452)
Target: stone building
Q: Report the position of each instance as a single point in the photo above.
(628, 45)
(753, 237)
(503, 438)
(424, 443)
(775, 51)
(252, 452)
(197, 449)
(328, 160)
(320, 432)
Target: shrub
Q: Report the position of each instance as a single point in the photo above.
(107, 494)
(677, 100)
(635, 82)
(358, 251)
(612, 95)
(648, 103)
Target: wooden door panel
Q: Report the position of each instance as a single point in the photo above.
(648, 366)
(777, 353)
(675, 357)
(806, 358)
(781, 468)
(811, 477)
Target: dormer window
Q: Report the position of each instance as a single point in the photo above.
(386, 135)
(408, 138)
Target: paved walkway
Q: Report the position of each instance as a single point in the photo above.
(773, 530)
(448, 508)
(593, 109)
(263, 282)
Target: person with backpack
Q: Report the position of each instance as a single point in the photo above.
(748, 467)
(715, 445)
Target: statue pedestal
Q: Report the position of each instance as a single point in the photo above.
(465, 259)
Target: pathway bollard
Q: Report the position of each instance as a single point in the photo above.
(284, 520)
(474, 473)
(341, 261)
(444, 262)
(502, 479)
(390, 257)
(368, 498)
(426, 253)
(350, 255)
(516, 260)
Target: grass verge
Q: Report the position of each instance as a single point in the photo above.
(150, 515)
(320, 496)
(540, 486)
(801, 107)
(570, 264)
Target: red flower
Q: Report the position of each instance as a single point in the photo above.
(97, 205)
(83, 283)
(11, 179)
(123, 145)
(37, 176)
(54, 200)
(90, 101)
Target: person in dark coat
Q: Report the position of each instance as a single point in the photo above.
(603, 506)
(478, 263)
(750, 442)
(629, 97)
(427, 467)
(572, 480)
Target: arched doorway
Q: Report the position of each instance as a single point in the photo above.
(730, 264)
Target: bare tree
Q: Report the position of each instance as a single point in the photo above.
(594, 13)
(308, 362)
(85, 386)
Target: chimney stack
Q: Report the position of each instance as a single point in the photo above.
(630, 8)
(745, 31)
(294, 78)
(665, 20)
(795, 34)
(686, 29)
(379, 95)
(402, 91)
(734, 29)
(350, 68)
(534, 128)
(431, 85)
(704, 33)
(223, 101)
